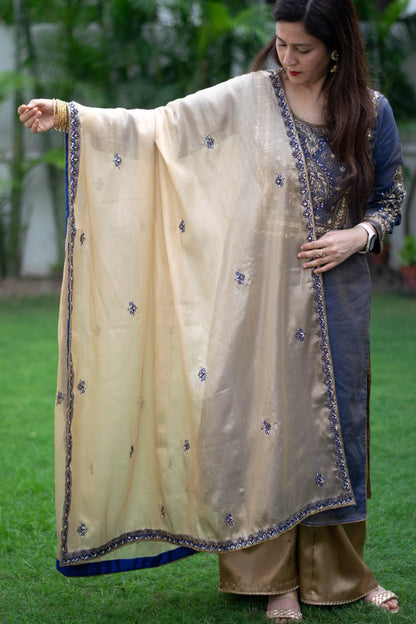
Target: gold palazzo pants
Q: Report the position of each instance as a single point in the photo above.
(325, 562)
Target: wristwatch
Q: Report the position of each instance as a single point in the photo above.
(372, 236)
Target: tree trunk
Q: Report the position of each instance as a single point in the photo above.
(55, 176)
(16, 165)
(3, 248)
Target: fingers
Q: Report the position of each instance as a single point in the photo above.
(29, 116)
(324, 267)
(27, 108)
(314, 254)
(318, 263)
(36, 126)
(317, 256)
(26, 113)
(32, 104)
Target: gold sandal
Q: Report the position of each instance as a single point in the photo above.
(289, 614)
(380, 596)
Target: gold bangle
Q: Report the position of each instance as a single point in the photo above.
(60, 115)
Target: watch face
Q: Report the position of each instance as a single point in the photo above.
(371, 242)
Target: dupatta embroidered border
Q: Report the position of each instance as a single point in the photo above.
(317, 280)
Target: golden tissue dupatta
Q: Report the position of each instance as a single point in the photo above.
(196, 405)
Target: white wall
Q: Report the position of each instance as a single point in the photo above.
(411, 8)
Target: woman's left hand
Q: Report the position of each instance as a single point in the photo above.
(332, 248)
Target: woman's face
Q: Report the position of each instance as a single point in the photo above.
(305, 59)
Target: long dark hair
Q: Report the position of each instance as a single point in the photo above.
(349, 108)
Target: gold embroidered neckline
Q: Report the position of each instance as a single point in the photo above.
(308, 123)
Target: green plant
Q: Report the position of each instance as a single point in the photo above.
(390, 40)
(129, 53)
(407, 253)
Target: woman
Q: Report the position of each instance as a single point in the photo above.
(217, 400)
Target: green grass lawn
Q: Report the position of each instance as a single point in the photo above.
(32, 592)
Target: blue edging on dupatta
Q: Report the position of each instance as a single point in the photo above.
(125, 565)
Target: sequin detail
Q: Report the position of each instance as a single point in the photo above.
(279, 180)
(324, 172)
(82, 386)
(382, 209)
(82, 238)
(74, 147)
(131, 451)
(186, 446)
(60, 398)
(319, 480)
(209, 141)
(82, 529)
(117, 160)
(267, 428)
(300, 334)
(231, 545)
(132, 308)
(182, 226)
(162, 511)
(240, 278)
(202, 374)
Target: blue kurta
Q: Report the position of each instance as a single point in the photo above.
(347, 287)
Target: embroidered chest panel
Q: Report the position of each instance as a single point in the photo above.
(325, 175)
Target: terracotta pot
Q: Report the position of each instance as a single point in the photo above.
(409, 277)
(381, 259)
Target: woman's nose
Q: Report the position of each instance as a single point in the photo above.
(290, 58)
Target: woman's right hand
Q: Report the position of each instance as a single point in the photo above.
(37, 115)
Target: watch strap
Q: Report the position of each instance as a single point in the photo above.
(371, 236)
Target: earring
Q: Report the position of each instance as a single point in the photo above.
(335, 59)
